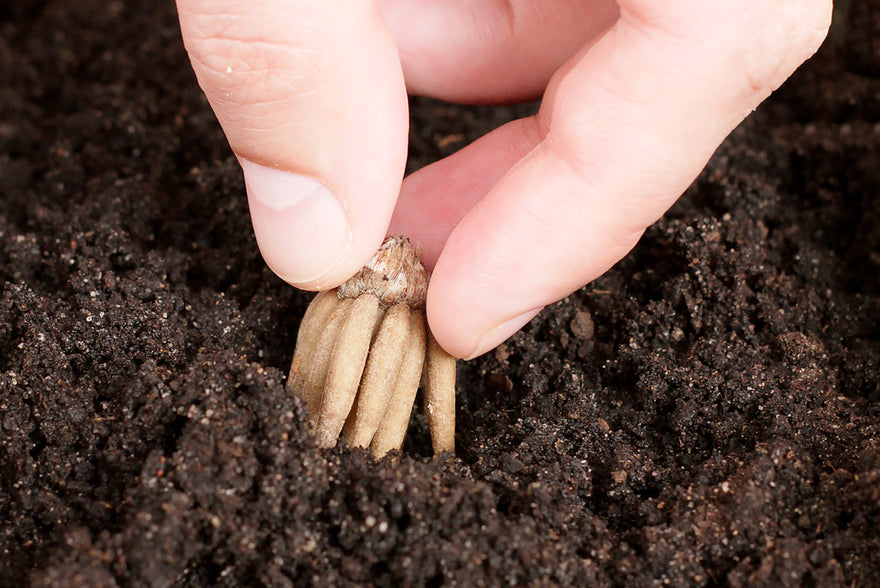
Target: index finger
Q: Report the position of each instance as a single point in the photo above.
(624, 128)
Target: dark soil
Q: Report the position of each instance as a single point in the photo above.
(707, 413)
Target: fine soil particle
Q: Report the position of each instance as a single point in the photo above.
(707, 413)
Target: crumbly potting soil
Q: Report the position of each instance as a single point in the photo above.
(707, 413)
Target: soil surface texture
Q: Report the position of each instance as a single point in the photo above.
(705, 414)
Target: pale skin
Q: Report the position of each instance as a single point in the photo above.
(637, 95)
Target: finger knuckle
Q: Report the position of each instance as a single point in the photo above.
(229, 58)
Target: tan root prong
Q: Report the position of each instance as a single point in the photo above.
(439, 388)
(345, 368)
(392, 428)
(319, 360)
(380, 374)
(313, 324)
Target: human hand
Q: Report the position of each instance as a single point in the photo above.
(637, 94)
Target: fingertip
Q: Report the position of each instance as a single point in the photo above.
(497, 335)
(301, 227)
(310, 95)
(473, 307)
(467, 339)
(304, 230)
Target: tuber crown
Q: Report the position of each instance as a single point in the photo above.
(395, 275)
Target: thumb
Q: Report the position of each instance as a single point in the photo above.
(311, 97)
